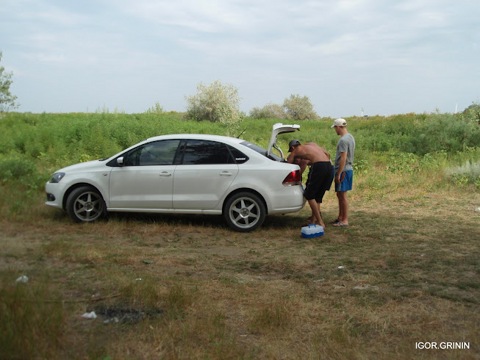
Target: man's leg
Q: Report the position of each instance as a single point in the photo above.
(339, 207)
(312, 217)
(320, 212)
(316, 212)
(342, 207)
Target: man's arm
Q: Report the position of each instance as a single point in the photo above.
(341, 166)
(291, 157)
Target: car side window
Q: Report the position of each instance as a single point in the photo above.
(154, 153)
(200, 152)
(238, 156)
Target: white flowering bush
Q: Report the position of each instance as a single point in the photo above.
(469, 173)
(215, 102)
(269, 111)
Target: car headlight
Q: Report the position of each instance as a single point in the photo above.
(57, 177)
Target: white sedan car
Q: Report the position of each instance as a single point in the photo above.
(184, 174)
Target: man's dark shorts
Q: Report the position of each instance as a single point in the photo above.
(320, 178)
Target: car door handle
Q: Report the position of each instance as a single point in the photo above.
(225, 173)
(165, 174)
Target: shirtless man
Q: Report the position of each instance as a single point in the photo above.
(320, 176)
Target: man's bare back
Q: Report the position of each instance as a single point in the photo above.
(309, 151)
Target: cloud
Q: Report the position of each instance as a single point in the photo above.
(197, 16)
(269, 49)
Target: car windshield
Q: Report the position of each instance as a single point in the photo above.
(261, 150)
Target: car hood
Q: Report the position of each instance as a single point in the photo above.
(84, 165)
(277, 129)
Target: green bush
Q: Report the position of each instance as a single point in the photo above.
(417, 134)
(156, 109)
(299, 108)
(403, 162)
(473, 113)
(18, 170)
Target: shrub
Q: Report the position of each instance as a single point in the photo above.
(7, 99)
(418, 134)
(17, 170)
(155, 109)
(403, 162)
(269, 111)
(473, 112)
(215, 102)
(299, 108)
(469, 173)
(445, 132)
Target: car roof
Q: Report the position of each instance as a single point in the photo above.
(277, 129)
(195, 136)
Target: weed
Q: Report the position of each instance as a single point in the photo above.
(177, 301)
(32, 319)
(276, 315)
(469, 173)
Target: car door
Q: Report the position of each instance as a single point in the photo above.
(145, 178)
(205, 173)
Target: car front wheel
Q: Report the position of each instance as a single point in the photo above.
(244, 211)
(85, 204)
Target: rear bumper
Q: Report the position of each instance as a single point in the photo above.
(290, 200)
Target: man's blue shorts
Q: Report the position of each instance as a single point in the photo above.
(346, 183)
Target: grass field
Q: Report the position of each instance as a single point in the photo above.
(404, 274)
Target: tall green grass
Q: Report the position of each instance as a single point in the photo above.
(32, 146)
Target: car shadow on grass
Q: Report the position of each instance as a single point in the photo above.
(277, 221)
(215, 221)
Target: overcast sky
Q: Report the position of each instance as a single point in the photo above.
(349, 57)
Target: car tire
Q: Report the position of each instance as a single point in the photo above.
(85, 204)
(244, 211)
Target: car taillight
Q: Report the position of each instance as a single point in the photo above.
(293, 178)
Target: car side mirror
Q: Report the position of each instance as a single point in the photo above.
(120, 161)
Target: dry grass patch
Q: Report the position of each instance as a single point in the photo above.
(405, 270)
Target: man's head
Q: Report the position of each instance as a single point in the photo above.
(292, 144)
(340, 126)
(339, 123)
